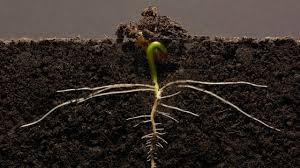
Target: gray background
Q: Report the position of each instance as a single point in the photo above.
(99, 18)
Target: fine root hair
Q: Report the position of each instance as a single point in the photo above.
(97, 93)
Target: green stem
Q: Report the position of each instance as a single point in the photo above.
(150, 56)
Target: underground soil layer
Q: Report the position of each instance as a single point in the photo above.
(96, 133)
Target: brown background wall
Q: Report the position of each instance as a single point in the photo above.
(97, 18)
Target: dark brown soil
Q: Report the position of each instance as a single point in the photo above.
(96, 133)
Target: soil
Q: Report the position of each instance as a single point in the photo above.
(96, 134)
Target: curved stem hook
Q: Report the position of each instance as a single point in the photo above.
(150, 57)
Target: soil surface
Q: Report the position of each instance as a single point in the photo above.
(96, 133)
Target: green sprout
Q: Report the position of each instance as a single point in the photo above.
(154, 139)
(150, 56)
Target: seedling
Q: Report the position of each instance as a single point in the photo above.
(154, 139)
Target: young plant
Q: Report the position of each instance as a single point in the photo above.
(154, 139)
